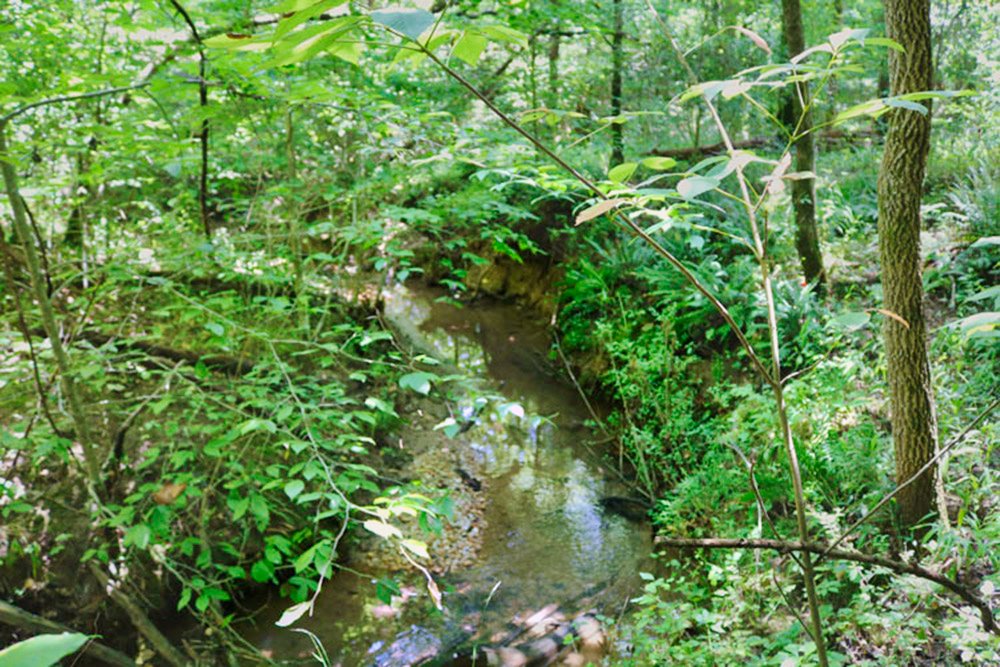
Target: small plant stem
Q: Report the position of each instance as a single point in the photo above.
(91, 453)
(203, 133)
(760, 252)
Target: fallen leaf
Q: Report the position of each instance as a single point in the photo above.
(168, 493)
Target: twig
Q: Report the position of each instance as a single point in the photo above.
(781, 546)
(202, 103)
(6, 118)
(572, 377)
(140, 620)
(927, 466)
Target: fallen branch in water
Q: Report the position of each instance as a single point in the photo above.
(781, 546)
(140, 620)
(19, 618)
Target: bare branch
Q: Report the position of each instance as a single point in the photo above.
(927, 466)
(899, 567)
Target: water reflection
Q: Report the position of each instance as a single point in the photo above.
(546, 537)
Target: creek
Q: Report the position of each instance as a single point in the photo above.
(544, 538)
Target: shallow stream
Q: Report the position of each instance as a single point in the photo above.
(544, 537)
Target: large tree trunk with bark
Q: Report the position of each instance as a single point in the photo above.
(803, 190)
(900, 188)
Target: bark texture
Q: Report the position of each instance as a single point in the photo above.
(803, 191)
(900, 188)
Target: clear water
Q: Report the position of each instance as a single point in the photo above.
(546, 539)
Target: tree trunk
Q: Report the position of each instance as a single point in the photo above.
(803, 191)
(900, 186)
(617, 57)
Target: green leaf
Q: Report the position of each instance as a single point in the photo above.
(502, 33)
(294, 488)
(288, 24)
(622, 172)
(985, 241)
(869, 108)
(292, 6)
(260, 511)
(184, 599)
(980, 324)
(216, 329)
(138, 536)
(851, 321)
(409, 22)
(469, 47)
(312, 40)
(385, 588)
(419, 382)
(236, 42)
(885, 41)
(988, 293)
(42, 651)
(262, 571)
(238, 506)
(257, 424)
(692, 186)
(898, 103)
(659, 163)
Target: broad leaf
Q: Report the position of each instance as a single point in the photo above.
(600, 208)
(851, 321)
(42, 651)
(419, 382)
(382, 529)
(692, 186)
(469, 47)
(288, 24)
(502, 33)
(622, 172)
(293, 614)
(409, 22)
(294, 488)
(659, 163)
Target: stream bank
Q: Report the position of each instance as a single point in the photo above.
(533, 551)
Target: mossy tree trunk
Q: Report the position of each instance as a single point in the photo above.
(803, 191)
(900, 187)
